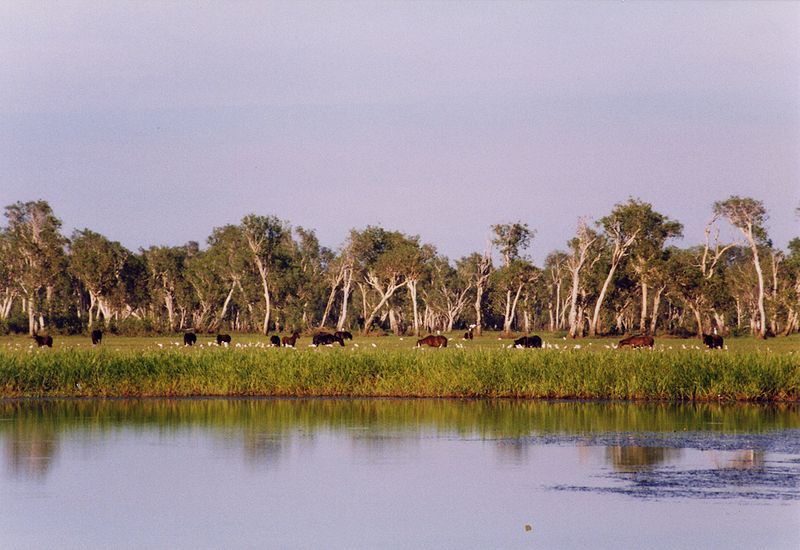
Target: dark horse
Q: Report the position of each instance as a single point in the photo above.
(97, 336)
(344, 334)
(43, 340)
(637, 342)
(432, 341)
(290, 340)
(468, 335)
(275, 341)
(713, 341)
(223, 339)
(189, 338)
(326, 339)
(528, 342)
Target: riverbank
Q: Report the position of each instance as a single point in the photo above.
(661, 374)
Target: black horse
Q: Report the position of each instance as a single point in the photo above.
(97, 336)
(223, 339)
(326, 339)
(42, 341)
(713, 341)
(275, 341)
(189, 338)
(344, 334)
(528, 342)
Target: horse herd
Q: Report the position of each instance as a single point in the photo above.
(713, 341)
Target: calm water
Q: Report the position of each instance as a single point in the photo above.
(397, 473)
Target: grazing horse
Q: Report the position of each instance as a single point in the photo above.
(43, 340)
(275, 341)
(713, 341)
(290, 340)
(432, 341)
(528, 342)
(223, 339)
(637, 342)
(189, 339)
(326, 339)
(468, 335)
(97, 337)
(344, 334)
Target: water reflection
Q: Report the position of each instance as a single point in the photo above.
(284, 473)
(633, 458)
(636, 436)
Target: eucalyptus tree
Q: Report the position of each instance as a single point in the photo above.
(509, 283)
(555, 273)
(533, 300)
(511, 239)
(477, 270)
(209, 289)
(264, 236)
(415, 259)
(686, 283)
(381, 262)
(446, 295)
(8, 288)
(654, 229)
(748, 215)
(167, 282)
(583, 250)
(36, 255)
(228, 260)
(300, 278)
(793, 296)
(619, 237)
(98, 264)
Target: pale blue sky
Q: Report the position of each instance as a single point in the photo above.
(153, 122)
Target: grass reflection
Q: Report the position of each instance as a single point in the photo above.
(30, 430)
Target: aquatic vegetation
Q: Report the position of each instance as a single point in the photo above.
(495, 372)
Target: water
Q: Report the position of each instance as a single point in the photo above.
(397, 473)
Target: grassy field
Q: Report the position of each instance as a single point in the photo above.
(677, 369)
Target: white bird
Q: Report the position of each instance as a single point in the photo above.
(374, 346)
(577, 346)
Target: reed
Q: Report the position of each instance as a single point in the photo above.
(676, 375)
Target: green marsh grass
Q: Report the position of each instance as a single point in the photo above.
(388, 367)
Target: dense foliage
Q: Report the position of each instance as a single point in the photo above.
(618, 275)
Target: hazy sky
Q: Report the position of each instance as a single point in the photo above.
(153, 122)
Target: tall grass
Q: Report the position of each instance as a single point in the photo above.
(632, 374)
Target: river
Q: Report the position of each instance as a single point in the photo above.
(382, 473)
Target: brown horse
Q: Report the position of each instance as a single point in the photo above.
(290, 340)
(433, 341)
(637, 342)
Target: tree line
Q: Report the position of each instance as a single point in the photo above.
(618, 274)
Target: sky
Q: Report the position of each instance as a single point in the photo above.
(154, 122)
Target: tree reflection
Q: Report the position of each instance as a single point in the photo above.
(264, 430)
(630, 458)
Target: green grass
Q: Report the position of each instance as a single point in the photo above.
(389, 367)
